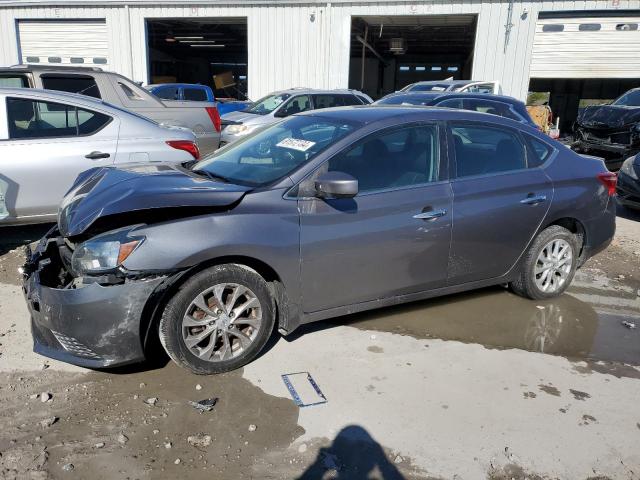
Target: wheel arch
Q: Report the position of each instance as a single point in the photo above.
(158, 300)
(575, 226)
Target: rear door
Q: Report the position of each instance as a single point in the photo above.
(500, 199)
(393, 237)
(48, 145)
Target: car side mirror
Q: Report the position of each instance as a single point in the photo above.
(336, 185)
(280, 113)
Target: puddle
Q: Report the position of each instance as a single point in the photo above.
(578, 325)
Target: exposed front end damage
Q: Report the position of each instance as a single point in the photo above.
(88, 321)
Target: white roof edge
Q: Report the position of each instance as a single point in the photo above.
(140, 3)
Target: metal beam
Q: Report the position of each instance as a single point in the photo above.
(373, 50)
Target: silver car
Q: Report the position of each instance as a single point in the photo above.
(278, 105)
(47, 138)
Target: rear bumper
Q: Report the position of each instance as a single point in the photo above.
(93, 326)
(599, 232)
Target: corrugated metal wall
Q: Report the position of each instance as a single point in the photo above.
(287, 49)
(604, 53)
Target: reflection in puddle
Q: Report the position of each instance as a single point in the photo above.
(495, 318)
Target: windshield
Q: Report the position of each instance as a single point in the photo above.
(410, 99)
(268, 104)
(427, 87)
(629, 99)
(277, 150)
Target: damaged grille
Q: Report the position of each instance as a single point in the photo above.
(74, 347)
(607, 136)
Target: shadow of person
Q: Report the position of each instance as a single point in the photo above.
(353, 455)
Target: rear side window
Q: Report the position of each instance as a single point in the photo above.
(34, 119)
(83, 85)
(351, 100)
(167, 93)
(539, 152)
(327, 101)
(195, 94)
(14, 81)
(481, 150)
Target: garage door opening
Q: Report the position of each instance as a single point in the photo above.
(207, 51)
(389, 52)
(567, 96)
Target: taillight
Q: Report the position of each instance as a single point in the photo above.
(215, 118)
(609, 180)
(187, 146)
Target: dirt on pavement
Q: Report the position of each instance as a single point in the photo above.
(136, 422)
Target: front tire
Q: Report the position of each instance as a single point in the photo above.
(549, 264)
(219, 320)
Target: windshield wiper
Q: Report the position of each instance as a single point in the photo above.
(212, 176)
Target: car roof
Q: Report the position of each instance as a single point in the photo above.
(445, 82)
(303, 90)
(434, 95)
(367, 114)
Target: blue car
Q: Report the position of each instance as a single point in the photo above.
(503, 106)
(191, 92)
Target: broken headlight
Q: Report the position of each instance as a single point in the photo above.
(105, 252)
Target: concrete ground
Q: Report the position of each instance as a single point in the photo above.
(470, 386)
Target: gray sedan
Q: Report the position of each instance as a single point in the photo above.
(323, 214)
(47, 138)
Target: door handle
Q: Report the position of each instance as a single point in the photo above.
(97, 155)
(534, 200)
(430, 215)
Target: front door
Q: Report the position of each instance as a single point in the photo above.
(393, 237)
(49, 144)
(499, 200)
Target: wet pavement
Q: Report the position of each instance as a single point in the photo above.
(443, 388)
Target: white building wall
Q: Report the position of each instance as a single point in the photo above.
(286, 49)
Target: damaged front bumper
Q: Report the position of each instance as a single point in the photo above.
(622, 143)
(93, 324)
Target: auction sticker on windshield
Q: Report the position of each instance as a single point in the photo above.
(296, 144)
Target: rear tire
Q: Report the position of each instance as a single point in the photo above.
(548, 265)
(219, 320)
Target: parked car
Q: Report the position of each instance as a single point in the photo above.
(190, 92)
(628, 188)
(47, 138)
(323, 214)
(201, 117)
(468, 86)
(613, 128)
(278, 105)
(507, 107)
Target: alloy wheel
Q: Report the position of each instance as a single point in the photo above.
(553, 265)
(222, 322)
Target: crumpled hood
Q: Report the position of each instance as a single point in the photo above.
(133, 187)
(608, 116)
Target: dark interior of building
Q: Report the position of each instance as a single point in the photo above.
(399, 50)
(196, 50)
(566, 96)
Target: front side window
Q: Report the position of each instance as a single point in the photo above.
(195, 94)
(274, 152)
(392, 159)
(268, 104)
(35, 119)
(83, 85)
(298, 104)
(481, 150)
